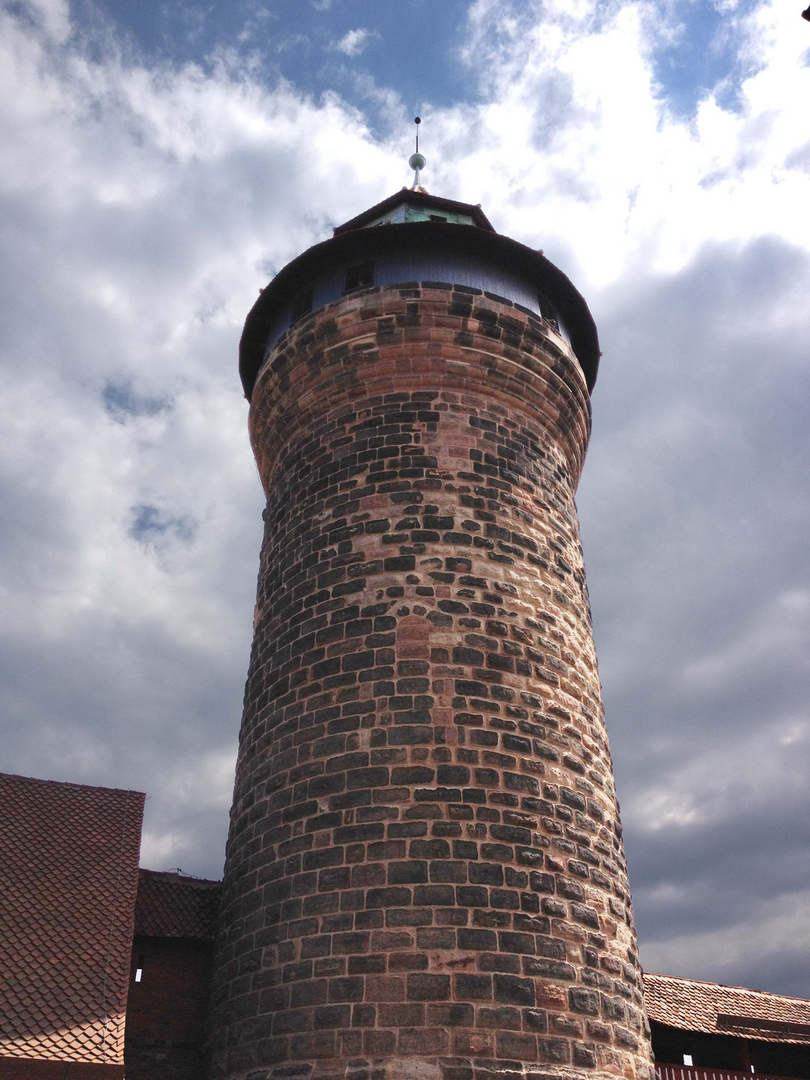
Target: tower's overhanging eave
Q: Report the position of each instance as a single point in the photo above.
(357, 241)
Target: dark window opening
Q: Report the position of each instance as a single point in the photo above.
(302, 305)
(437, 217)
(547, 310)
(359, 276)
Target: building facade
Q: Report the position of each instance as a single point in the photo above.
(425, 875)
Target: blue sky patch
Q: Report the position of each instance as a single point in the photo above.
(151, 524)
(122, 404)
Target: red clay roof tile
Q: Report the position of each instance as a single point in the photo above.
(69, 871)
(176, 906)
(730, 1010)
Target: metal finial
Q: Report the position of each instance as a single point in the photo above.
(417, 161)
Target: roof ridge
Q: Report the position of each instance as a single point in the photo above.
(725, 986)
(172, 875)
(68, 784)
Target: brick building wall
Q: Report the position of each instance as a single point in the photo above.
(22, 1069)
(167, 1009)
(170, 976)
(425, 873)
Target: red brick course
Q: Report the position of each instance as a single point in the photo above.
(425, 874)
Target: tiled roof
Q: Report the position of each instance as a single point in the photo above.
(727, 1010)
(175, 906)
(68, 877)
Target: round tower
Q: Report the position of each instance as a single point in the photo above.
(425, 875)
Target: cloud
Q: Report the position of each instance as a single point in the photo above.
(576, 147)
(140, 204)
(354, 42)
(51, 17)
(694, 511)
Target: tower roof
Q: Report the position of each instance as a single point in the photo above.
(420, 201)
(416, 224)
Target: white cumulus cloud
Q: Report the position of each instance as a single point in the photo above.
(354, 42)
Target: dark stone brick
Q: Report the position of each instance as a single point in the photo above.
(332, 1016)
(548, 969)
(348, 988)
(308, 993)
(412, 774)
(499, 1017)
(472, 896)
(473, 987)
(450, 1015)
(436, 938)
(585, 1001)
(584, 1055)
(374, 964)
(465, 849)
(479, 940)
(554, 1051)
(585, 915)
(535, 1020)
(422, 987)
(513, 991)
(511, 834)
(400, 873)
(521, 1046)
(349, 943)
(434, 895)
(387, 898)
(551, 948)
(449, 872)
(400, 562)
(486, 874)
(438, 794)
(570, 889)
(467, 656)
(284, 1023)
(624, 1037)
(504, 898)
(367, 778)
(542, 883)
(509, 941)
(573, 798)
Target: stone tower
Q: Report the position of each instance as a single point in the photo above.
(425, 876)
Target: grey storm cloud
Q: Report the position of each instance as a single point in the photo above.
(695, 517)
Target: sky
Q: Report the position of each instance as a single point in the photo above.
(161, 161)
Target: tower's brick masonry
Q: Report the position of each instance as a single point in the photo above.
(425, 875)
